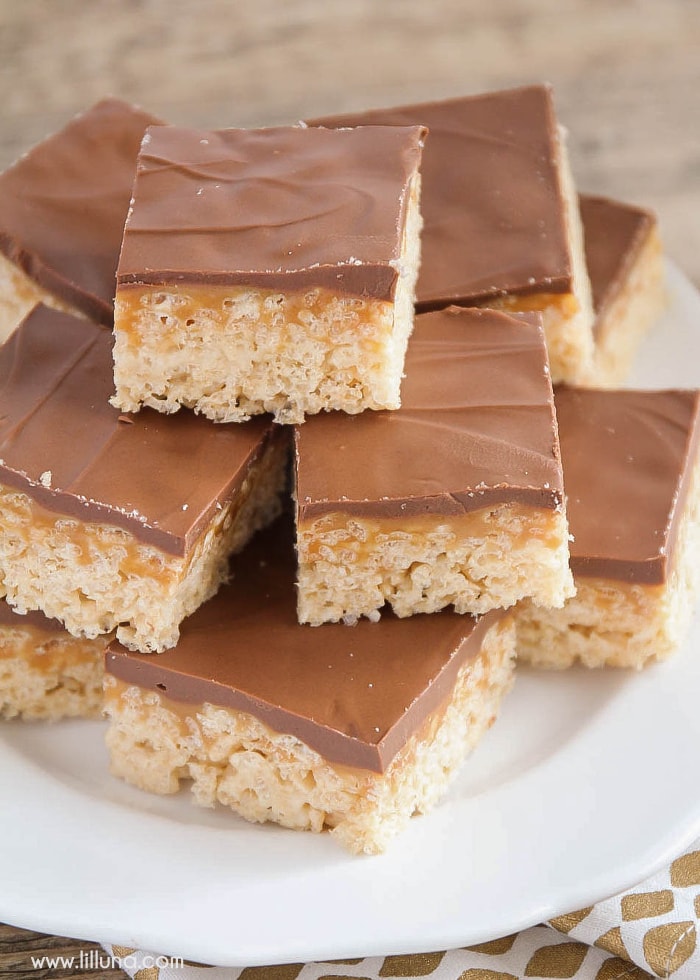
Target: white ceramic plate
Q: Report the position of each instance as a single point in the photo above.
(585, 786)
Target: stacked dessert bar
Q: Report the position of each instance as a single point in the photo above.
(306, 498)
(60, 248)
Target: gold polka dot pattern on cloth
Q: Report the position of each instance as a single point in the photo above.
(494, 946)
(122, 951)
(556, 961)
(289, 971)
(337, 976)
(685, 870)
(565, 923)
(650, 931)
(656, 922)
(612, 941)
(418, 965)
(478, 974)
(666, 948)
(617, 969)
(646, 904)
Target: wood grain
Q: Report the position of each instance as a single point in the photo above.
(18, 946)
(626, 75)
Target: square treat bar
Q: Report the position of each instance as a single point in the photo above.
(268, 270)
(501, 219)
(354, 730)
(114, 521)
(62, 212)
(455, 499)
(625, 264)
(45, 673)
(633, 485)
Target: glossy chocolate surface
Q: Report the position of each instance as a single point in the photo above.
(491, 199)
(355, 694)
(63, 205)
(160, 477)
(476, 427)
(627, 458)
(281, 208)
(614, 234)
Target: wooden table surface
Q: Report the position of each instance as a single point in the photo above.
(626, 77)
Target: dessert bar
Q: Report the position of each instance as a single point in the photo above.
(62, 212)
(501, 219)
(45, 673)
(115, 521)
(632, 480)
(454, 499)
(268, 271)
(354, 730)
(625, 264)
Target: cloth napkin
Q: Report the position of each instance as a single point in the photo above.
(649, 931)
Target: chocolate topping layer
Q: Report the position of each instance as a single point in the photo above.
(63, 205)
(281, 208)
(476, 426)
(614, 234)
(354, 694)
(34, 619)
(160, 477)
(492, 201)
(627, 459)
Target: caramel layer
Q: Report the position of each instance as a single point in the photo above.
(186, 301)
(282, 208)
(627, 456)
(45, 651)
(492, 200)
(61, 443)
(63, 205)
(366, 537)
(355, 695)
(565, 303)
(476, 426)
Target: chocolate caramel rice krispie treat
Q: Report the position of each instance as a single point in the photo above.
(45, 673)
(632, 479)
(268, 270)
(353, 730)
(112, 521)
(624, 257)
(456, 499)
(62, 212)
(501, 218)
